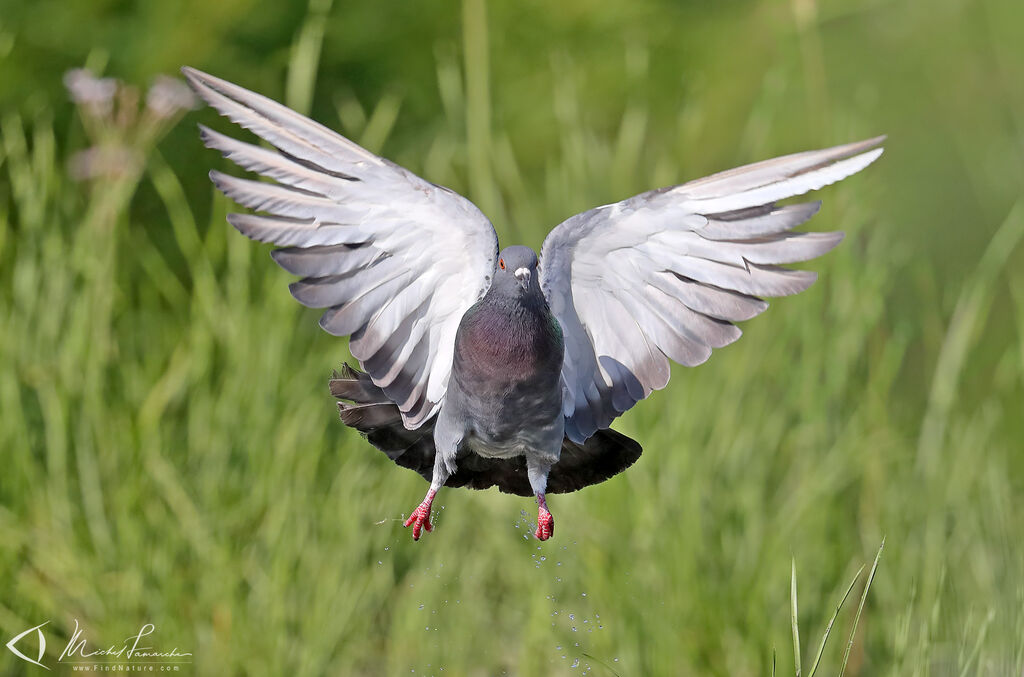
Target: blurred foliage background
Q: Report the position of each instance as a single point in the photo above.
(171, 454)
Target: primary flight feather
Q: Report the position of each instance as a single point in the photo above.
(483, 368)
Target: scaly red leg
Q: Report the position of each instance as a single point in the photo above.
(545, 522)
(420, 517)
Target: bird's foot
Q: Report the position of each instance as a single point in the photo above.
(545, 522)
(420, 517)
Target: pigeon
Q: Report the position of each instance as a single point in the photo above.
(484, 368)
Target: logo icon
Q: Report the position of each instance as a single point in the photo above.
(42, 646)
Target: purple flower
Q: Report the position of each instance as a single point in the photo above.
(88, 90)
(168, 96)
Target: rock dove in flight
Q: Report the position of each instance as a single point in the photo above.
(483, 368)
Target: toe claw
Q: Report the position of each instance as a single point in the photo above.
(419, 519)
(545, 525)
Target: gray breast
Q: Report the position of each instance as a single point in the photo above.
(506, 372)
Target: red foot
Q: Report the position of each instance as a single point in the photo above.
(545, 524)
(420, 518)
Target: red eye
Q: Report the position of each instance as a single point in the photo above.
(501, 262)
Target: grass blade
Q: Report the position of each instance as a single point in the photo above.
(601, 662)
(977, 645)
(828, 628)
(796, 624)
(860, 607)
(305, 57)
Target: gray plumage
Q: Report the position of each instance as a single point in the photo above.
(366, 408)
(486, 369)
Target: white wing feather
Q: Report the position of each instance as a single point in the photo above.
(664, 274)
(395, 259)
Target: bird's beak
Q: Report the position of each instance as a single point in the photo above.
(523, 275)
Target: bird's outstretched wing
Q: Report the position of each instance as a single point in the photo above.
(395, 259)
(664, 274)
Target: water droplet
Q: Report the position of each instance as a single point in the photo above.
(558, 648)
(543, 558)
(386, 548)
(575, 663)
(616, 660)
(583, 594)
(572, 617)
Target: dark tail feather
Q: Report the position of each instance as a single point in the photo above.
(356, 386)
(604, 455)
(380, 421)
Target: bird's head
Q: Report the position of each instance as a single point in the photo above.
(517, 269)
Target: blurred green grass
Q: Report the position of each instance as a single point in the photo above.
(171, 454)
